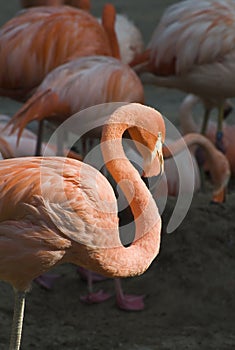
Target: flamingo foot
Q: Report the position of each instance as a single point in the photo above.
(131, 302)
(84, 274)
(95, 298)
(46, 280)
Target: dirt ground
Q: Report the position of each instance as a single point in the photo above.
(189, 288)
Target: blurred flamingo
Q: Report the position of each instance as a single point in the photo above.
(189, 125)
(68, 89)
(82, 4)
(52, 39)
(129, 37)
(57, 210)
(217, 164)
(192, 49)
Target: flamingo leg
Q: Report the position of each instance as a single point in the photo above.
(47, 280)
(39, 138)
(219, 135)
(128, 302)
(60, 141)
(17, 323)
(205, 121)
(93, 297)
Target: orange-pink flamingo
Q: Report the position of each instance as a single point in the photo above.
(192, 49)
(68, 89)
(129, 37)
(82, 4)
(52, 34)
(62, 210)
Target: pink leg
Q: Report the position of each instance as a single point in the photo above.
(126, 301)
(46, 280)
(85, 275)
(91, 297)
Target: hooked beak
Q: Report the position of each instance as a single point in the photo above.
(154, 164)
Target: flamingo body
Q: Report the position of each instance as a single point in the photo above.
(193, 47)
(54, 36)
(79, 84)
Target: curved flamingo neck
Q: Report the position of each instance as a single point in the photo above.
(108, 22)
(187, 122)
(217, 163)
(189, 140)
(123, 172)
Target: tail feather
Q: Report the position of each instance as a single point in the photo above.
(41, 105)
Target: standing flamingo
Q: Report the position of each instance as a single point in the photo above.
(62, 210)
(77, 85)
(192, 49)
(188, 125)
(54, 35)
(67, 90)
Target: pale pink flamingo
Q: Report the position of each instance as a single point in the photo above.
(52, 39)
(64, 211)
(193, 49)
(189, 125)
(27, 143)
(217, 162)
(129, 38)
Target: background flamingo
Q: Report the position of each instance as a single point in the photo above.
(52, 41)
(188, 125)
(82, 4)
(192, 49)
(129, 37)
(68, 89)
(34, 228)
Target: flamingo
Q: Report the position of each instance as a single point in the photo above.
(51, 41)
(169, 184)
(82, 4)
(129, 37)
(217, 163)
(192, 49)
(76, 221)
(188, 125)
(68, 89)
(57, 98)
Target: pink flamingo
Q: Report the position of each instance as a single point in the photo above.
(189, 125)
(77, 221)
(67, 90)
(192, 49)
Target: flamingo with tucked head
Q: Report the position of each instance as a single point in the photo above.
(192, 49)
